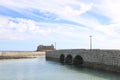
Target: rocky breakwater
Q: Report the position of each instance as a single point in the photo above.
(19, 55)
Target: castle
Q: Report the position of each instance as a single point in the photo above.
(45, 48)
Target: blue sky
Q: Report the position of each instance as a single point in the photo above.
(24, 24)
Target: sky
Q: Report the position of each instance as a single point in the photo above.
(25, 24)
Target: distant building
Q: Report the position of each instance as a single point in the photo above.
(45, 48)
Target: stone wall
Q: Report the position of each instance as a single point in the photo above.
(100, 59)
(17, 55)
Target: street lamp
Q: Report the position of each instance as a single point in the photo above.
(90, 42)
(55, 45)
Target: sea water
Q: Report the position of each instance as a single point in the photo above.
(40, 69)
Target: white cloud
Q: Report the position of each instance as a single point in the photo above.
(20, 28)
(62, 8)
(69, 12)
(109, 8)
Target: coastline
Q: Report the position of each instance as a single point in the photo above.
(20, 55)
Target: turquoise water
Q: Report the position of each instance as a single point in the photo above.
(40, 69)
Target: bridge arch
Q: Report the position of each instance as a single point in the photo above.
(78, 60)
(68, 59)
(62, 58)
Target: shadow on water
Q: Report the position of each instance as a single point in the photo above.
(93, 72)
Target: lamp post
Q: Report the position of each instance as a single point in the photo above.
(55, 45)
(90, 42)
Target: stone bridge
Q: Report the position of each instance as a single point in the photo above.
(95, 58)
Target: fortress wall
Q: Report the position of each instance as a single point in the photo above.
(0, 53)
(101, 59)
(20, 54)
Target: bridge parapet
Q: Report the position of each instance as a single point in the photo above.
(96, 58)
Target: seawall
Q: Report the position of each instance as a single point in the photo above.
(99, 59)
(22, 54)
